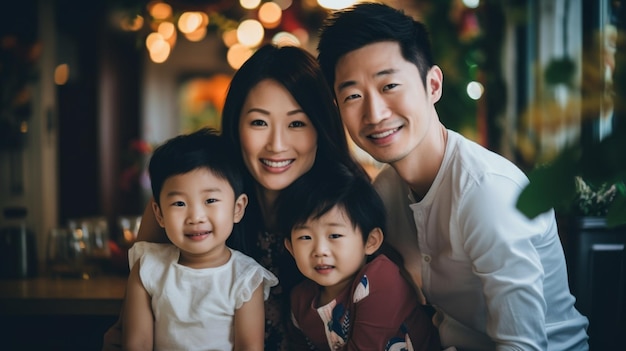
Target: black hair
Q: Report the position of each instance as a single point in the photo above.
(184, 153)
(366, 23)
(316, 193)
(297, 71)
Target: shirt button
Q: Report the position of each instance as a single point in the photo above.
(426, 258)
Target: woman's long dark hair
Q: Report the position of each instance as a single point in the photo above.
(298, 71)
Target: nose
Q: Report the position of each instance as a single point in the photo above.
(320, 248)
(277, 140)
(376, 108)
(196, 214)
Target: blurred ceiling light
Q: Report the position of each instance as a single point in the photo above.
(270, 14)
(285, 39)
(472, 4)
(250, 32)
(159, 10)
(336, 4)
(196, 35)
(237, 55)
(159, 51)
(189, 22)
(229, 37)
(61, 74)
(284, 4)
(249, 4)
(166, 29)
(131, 24)
(152, 38)
(475, 90)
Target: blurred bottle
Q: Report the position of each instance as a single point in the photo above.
(18, 253)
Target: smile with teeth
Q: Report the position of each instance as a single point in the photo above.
(197, 234)
(276, 164)
(320, 268)
(383, 134)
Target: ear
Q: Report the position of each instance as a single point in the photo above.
(434, 83)
(288, 246)
(240, 207)
(158, 214)
(374, 240)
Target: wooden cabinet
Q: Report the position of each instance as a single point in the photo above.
(596, 258)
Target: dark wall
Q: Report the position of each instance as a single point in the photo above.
(98, 109)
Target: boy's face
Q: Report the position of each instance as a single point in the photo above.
(382, 100)
(198, 211)
(329, 250)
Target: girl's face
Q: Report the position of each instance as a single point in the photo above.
(278, 140)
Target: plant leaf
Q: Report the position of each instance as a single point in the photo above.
(617, 211)
(548, 188)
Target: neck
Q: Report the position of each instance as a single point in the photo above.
(420, 167)
(214, 258)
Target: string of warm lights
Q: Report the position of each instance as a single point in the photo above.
(241, 37)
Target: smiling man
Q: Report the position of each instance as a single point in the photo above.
(496, 279)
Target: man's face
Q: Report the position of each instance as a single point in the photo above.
(383, 102)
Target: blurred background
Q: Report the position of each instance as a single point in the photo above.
(88, 88)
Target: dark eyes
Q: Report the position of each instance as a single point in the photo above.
(297, 124)
(261, 123)
(353, 96)
(390, 86)
(331, 236)
(386, 87)
(182, 203)
(258, 123)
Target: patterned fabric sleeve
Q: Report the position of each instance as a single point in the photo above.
(385, 314)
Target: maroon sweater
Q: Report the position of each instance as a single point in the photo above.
(380, 311)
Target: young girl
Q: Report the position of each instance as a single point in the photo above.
(195, 293)
(355, 297)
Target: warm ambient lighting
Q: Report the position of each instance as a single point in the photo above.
(237, 55)
(163, 22)
(270, 14)
(249, 4)
(61, 74)
(250, 32)
(336, 4)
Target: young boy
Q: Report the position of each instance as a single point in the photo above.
(195, 293)
(355, 297)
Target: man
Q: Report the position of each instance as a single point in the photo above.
(496, 279)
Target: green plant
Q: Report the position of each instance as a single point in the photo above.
(594, 200)
(558, 185)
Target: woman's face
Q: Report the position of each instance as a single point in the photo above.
(278, 140)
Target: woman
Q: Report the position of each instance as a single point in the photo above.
(279, 115)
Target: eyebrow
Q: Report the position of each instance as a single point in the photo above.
(326, 224)
(207, 190)
(385, 72)
(266, 112)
